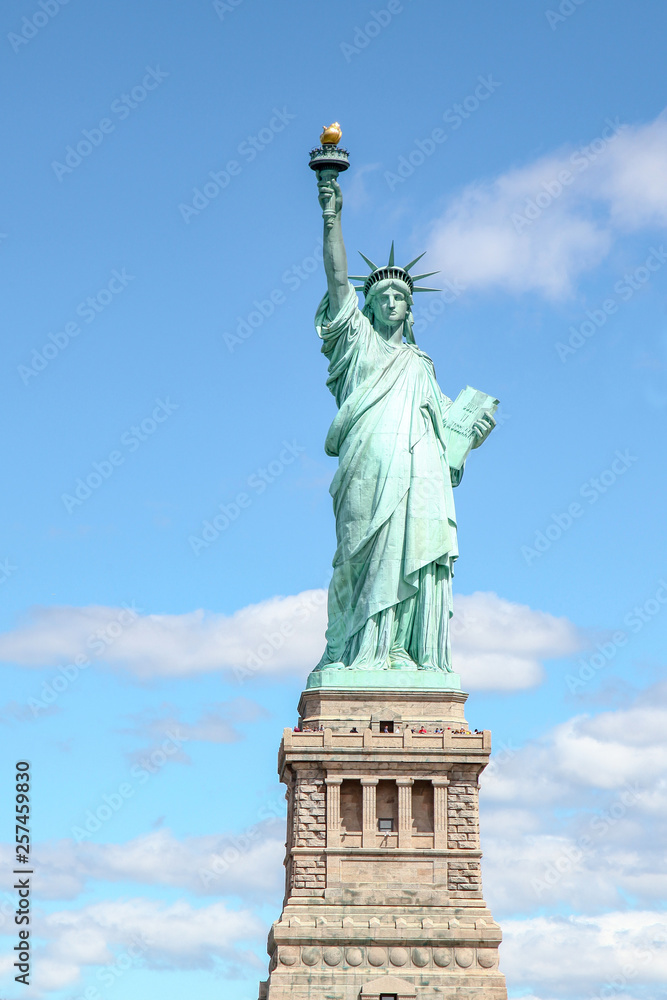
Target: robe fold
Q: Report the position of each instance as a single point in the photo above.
(390, 593)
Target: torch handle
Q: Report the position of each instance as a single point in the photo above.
(329, 213)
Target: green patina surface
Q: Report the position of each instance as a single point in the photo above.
(401, 446)
(414, 680)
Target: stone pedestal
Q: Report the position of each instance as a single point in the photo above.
(383, 887)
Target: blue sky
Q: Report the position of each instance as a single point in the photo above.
(525, 147)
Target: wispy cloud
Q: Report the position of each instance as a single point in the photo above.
(498, 644)
(617, 954)
(541, 226)
(251, 870)
(217, 724)
(574, 819)
(166, 937)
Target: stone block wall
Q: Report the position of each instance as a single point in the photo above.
(308, 872)
(463, 811)
(310, 809)
(464, 876)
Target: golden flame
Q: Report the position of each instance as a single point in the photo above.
(331, 134)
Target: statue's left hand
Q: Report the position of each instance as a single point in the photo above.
(482, 428)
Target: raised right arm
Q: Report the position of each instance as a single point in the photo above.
(335, 258)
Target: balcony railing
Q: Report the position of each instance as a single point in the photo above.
(368, 739)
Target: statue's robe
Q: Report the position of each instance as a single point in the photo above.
(390, 594)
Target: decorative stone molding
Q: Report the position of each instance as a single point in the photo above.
(487, 958)
(332, 956)
(405, 811)
(440, 812)
(333, 784)
(388, 984)
(374, 956)
(465, 957)
(399, 956)
(369, 793)
(369, 912)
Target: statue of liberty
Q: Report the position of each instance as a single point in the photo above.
(390, 597)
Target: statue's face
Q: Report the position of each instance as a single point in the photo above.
(390, 304)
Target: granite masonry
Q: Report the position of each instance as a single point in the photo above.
(383, 895)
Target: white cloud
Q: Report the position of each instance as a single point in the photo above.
(247, 864)
(575, 819)
(500, 645)
(566, 826)
(526, 230)
(608, 751)
(218, 724)
(280, 635)
(143, 932)
(497, 644)
(606, 956)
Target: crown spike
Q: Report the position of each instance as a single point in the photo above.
(370, 263)
(393, 272)
(418, 277)
(413, 262)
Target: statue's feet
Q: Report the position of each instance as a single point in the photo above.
(400, 659)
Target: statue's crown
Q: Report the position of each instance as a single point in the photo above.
(391, 270)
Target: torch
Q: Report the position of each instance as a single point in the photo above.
(330, 161)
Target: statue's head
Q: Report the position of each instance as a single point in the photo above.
(390, 302)
(388, 293)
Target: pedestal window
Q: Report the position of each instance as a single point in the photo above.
(351, 813)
